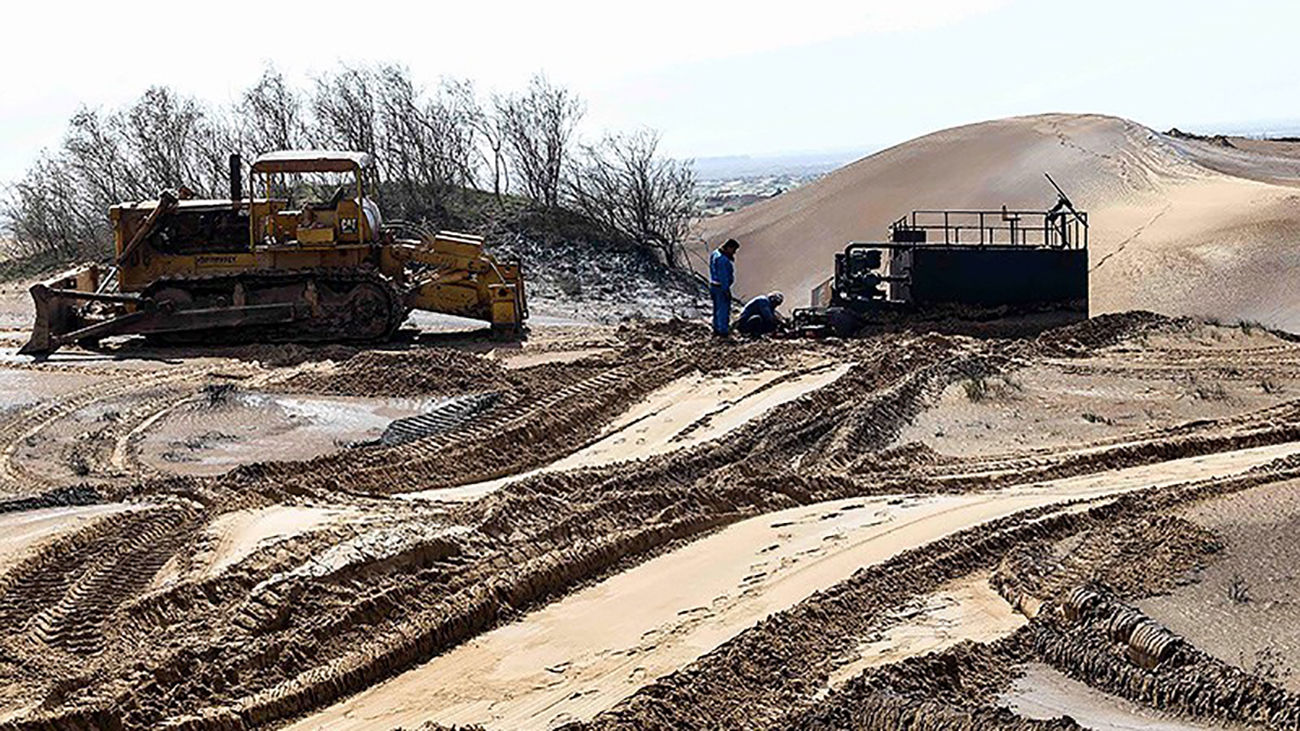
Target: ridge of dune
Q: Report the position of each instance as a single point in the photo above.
(1178, 226)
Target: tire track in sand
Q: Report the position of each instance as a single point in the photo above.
(579, 656)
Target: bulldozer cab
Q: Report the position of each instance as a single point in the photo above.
(311, 199)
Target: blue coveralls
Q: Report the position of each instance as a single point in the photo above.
(722, 274)
(758, 317)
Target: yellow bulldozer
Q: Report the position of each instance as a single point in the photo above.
(295, 264)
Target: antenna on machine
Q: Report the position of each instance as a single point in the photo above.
(1055, 216)
(1064, 202)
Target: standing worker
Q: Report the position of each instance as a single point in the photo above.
(722, 274)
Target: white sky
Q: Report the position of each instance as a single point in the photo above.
(717, 78)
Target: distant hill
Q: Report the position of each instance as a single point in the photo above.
(752, 166)
(1179, 225)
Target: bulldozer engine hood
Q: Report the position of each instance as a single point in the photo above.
(193, 204)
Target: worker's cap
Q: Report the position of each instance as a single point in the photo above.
(731, 244)
(776, 298)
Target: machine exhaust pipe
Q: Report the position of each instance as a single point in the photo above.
(236, 179)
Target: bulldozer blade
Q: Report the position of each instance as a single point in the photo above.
(48, 312)
(55, 301)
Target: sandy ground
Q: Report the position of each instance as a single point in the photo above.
(690, 411)
(1055, 405)
(527, 358)
(199, 438)
(1044, 693)
(645, 528)
(1258, 628)
(965, 609)
(1176, 227)
(577, 657)
(25, 388)
(15, 309)
(661, 502)
(698, 409)
(570, 661)
(233, 536)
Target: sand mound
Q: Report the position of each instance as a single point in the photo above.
(1177, 227)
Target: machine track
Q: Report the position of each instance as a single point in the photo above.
(442, 419)
(346, 304)
(64, 597)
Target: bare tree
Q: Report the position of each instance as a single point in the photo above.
(426, 142)
(450, 118)
(406, 158)
(626, 186)
(94, 152)
(491, 127)
(345, 114)
(213, 141)
(163, 140)
(539, 124)
(40, 215)
(430, 147)
(162, 132)
(271, 115)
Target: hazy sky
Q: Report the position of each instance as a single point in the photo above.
(717, 78)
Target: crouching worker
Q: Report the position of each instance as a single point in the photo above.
(722, 274)
(760, 316)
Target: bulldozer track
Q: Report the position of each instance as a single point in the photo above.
(442, 419)
(314, 330)
(492, 436)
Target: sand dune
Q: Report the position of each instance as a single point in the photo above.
(1179, 226)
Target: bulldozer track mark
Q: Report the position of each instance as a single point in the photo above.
(769, 676)
(125, 458)
(444, 418)
(63, 598)
(491, 438)
(310, 617)
(14, 477)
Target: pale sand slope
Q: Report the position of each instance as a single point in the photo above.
(1178, 226)
(963, 609)
(234, 536)
(582, 654)
(1260, 627)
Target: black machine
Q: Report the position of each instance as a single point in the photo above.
(983, 263)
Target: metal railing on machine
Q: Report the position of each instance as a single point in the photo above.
(1060, 227)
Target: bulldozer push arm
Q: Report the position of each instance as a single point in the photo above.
(451, 274)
